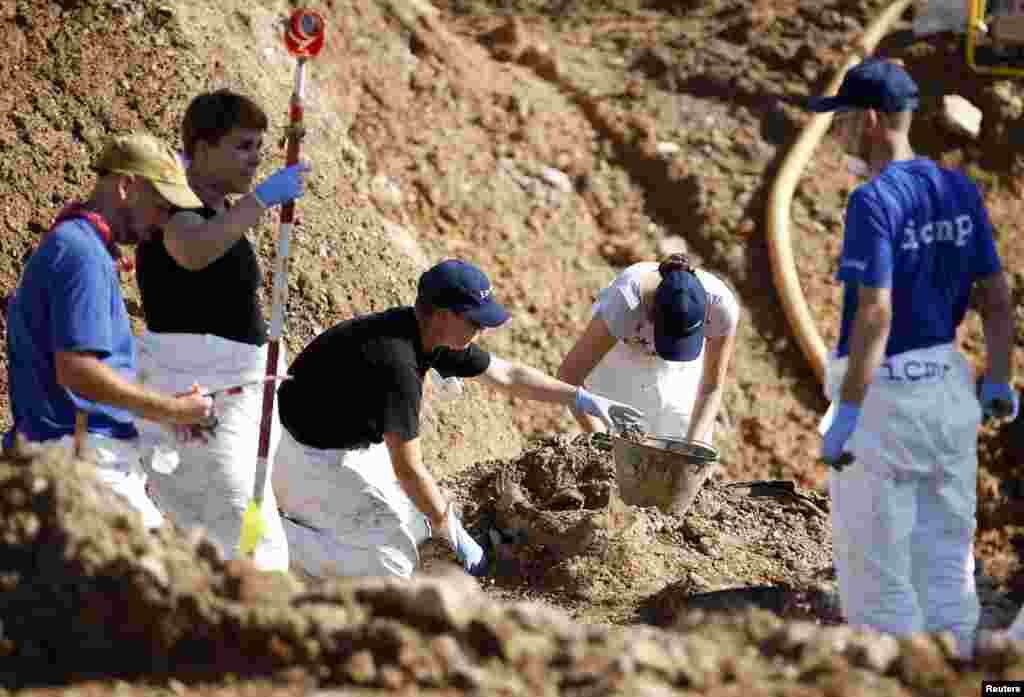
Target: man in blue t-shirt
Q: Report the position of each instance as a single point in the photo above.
(917, 250)
(69, 340)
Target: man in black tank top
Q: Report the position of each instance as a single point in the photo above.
(221, 297)
(203, 261)
(199, 280)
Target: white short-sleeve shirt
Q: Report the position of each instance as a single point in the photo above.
(619, 306)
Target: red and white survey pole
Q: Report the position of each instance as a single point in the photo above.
(304, 37)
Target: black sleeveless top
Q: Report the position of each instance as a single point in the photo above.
(219, 299)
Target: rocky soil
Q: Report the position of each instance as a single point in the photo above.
(559, 529)
(89, 596)
(551, 143)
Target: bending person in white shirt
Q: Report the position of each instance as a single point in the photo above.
(661, 339)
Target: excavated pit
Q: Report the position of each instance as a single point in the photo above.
(556, 523)
(557, 531)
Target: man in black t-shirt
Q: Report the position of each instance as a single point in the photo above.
(349, 472)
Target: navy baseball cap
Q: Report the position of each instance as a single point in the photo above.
(679, 307)
(464, 289)
(872, 84)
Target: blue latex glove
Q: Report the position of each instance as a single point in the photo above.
(999, 399)
(283, 185)
(615, 415)
(472, 556)
(842, 427)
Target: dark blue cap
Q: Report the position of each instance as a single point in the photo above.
(679, 308)
(464, 289)
(873, 84)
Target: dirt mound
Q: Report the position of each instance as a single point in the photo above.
(87, 592)
(558, 526)
(558, 532)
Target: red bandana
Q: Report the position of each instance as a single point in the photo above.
(76, 209)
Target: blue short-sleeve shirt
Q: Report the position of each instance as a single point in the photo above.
(69, 299)
(922, 231)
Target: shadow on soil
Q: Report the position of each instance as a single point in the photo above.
(665, 607)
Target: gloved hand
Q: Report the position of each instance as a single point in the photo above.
(615, 415)
(284, 185)
(999, 399)
(472, 556)
(840, 430)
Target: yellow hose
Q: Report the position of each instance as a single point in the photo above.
(780, 250)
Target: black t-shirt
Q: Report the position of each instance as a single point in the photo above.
(363, 378)
(219, 299)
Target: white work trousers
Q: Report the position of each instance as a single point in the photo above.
(213, 483)
(118, 465)
(664, 391)
(903, 514)
(1016, 630)
(355, 518)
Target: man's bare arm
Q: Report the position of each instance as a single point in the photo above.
(415, 479)
(526, 382)
(87, 376)
(871, 327)
(195, 242)
(995, 305)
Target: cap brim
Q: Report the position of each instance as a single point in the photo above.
(679, 348)
(490, 315)
(177, 195)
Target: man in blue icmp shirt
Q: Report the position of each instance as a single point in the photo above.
(902, 431)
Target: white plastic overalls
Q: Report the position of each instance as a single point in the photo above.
(118, 464)
(351, 517)
(663, 390)
(213, 482)
(1016, 630)
(903, 514)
